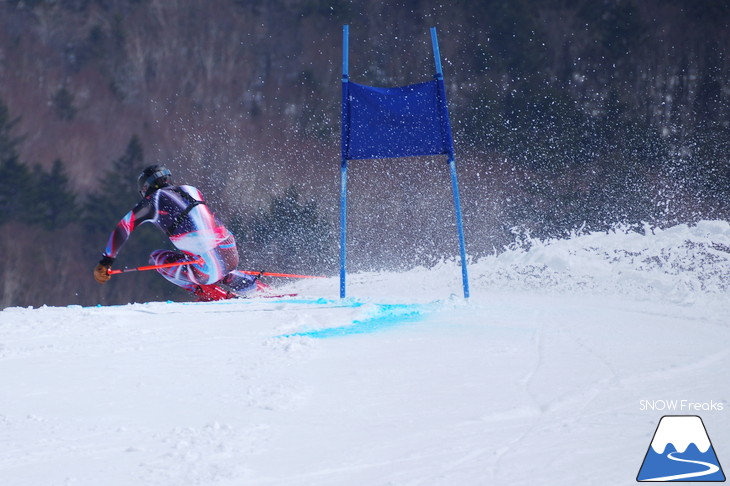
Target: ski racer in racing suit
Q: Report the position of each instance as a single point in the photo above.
(180, 212)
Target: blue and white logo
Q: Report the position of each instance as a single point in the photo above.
(680, 451)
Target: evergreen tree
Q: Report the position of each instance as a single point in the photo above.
(53, 204)
(15, 179)
(8, 142)
(117, 192)
(15, 187)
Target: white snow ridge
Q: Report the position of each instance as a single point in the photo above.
(536, 380)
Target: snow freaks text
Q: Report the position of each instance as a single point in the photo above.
(681, 406)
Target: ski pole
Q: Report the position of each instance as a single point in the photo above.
(154, 267)
(272, 274)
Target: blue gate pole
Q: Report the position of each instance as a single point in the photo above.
(452, 164)
(343, 163)
(459, 226)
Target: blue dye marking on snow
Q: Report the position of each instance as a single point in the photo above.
(297, 300)
(385, 317)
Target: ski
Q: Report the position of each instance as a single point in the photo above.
(213, 293)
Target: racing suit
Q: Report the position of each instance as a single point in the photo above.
(182, 214)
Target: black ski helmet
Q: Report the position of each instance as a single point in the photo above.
(153, 178)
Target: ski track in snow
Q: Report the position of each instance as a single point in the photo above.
(536, 380)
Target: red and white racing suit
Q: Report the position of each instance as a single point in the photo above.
(181, 212)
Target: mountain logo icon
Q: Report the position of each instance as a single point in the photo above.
(680, 451)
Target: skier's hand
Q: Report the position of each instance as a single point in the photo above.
(101, 271)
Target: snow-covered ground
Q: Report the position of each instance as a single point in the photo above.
(543, 377)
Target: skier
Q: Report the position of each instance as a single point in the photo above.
(181, 212)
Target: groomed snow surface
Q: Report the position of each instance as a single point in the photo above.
(537, 379)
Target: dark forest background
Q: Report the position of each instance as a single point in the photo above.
(567, 114)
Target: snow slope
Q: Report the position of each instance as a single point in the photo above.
(538, 379)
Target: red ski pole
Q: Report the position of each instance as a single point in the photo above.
(154, 267)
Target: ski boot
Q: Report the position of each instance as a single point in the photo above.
(241, 284)
(209, 293)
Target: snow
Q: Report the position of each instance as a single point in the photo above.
(537, 379)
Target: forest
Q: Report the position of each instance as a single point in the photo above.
(568, 116)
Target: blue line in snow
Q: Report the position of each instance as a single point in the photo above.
(387, 316)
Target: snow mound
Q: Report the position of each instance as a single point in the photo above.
(675, 264)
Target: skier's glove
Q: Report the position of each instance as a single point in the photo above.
(101, 271)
